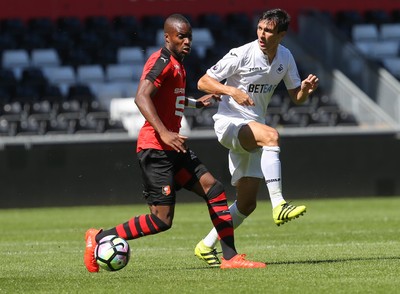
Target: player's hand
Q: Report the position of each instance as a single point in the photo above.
(242, 98)
(309, 84)
(175, 140)
(207, 100)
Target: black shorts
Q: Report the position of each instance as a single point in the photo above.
(165, 172)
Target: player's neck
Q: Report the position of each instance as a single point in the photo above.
(270, 53)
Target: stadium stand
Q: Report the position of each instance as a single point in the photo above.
(79, 65)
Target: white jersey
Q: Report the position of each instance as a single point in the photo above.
(248, 69)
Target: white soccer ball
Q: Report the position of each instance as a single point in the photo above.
(112, 253)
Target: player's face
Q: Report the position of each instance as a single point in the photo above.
(179, 40)
(268, 36)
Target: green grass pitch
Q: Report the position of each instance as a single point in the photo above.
(338, 246)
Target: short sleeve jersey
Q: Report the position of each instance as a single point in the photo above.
(169, 76)
(248, 69)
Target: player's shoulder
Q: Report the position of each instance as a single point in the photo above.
(244, 49)
(284, 50)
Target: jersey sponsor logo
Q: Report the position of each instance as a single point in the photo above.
(272, 180)
(261, 88)
(166, 190)
(279, 70)
(179, 91)
(251, 69)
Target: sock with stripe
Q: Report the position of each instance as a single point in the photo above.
(222, 221)
(237, 219)
(139, 226)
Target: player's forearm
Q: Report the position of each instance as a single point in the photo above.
(209, 85)
(298, 95)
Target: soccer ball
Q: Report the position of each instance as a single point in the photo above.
(112, 253)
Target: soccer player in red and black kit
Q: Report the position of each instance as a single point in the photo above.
(167, 164)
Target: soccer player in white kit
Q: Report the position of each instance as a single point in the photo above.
(252, 72)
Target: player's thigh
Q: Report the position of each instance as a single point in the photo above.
(255, 134)
(158, 177)
(192, 174)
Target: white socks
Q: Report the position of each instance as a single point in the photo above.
(237, 218)
(271, 169)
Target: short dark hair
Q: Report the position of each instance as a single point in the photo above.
(279, 16)
(176, 17)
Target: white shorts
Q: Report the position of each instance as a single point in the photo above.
(242, 163)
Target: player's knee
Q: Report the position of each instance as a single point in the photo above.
(247, 207)
(162, 224)
(215, 190)
(273, 137)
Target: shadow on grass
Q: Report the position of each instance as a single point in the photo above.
(334, 260)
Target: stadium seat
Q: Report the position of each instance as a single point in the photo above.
(105, 56)
(52, 93)
(7, 42)
(393, 66)
(114, 126)
(295, 117)
(395, 15)
(14, 26)
(344, 118)
(126, 23)
(130, 55)
(90, 74)
(62, 77)
(25, 94)
(390, 32)
(62, 42)
(212, 21)
(4, 127)
(30, 127)
(121, 73)
(60, 125)
(8, 81)
(90, 41)
(365, 47)
(129, 88)
(70, 25)
(346, 19)
(98, 24)
(321, 119)
(105, 92)
(45, 58)
(377, 16)
(384, 49)
(13, 111)
(35, 78)
(89, 126)
(81, 93)
(77, 56)
(41, 110)
(32, 41)
(15, 59)
(152, 23)
(150, 50)
(364, 32)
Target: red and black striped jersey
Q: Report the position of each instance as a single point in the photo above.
(169, 76)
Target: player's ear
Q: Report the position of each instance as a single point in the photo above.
(166, 37)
